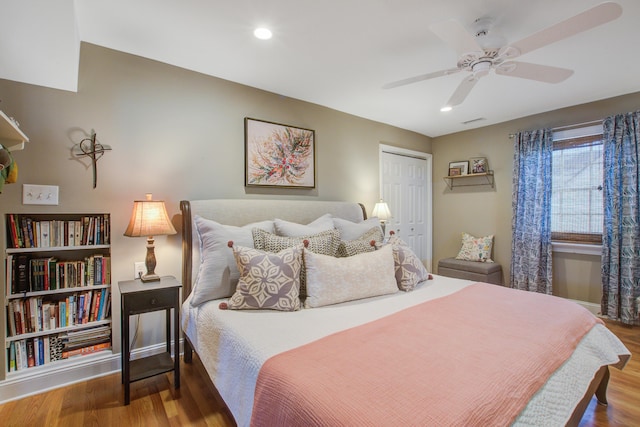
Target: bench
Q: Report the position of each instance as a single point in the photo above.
(489, 272)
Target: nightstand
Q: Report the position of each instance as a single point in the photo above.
(138, 298)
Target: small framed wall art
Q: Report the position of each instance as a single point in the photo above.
(479, 165)
(278, 155)
(458, 168)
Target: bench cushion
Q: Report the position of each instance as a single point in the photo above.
(490, 272)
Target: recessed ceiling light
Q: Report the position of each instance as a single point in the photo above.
(446, 108)
(262, 33)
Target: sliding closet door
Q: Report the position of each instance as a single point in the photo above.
(405, 185)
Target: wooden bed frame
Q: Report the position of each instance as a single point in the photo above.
(225, 210)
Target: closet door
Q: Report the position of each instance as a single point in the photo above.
(406, 186)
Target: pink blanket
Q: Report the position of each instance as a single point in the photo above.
(475, 357)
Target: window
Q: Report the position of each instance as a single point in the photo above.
(576, 198)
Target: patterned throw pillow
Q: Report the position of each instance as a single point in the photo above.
(325, 243)
(476, 248)
(333, 280)
(267, 280)
(360, 245)
(409, 269)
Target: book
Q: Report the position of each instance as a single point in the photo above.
(71, 232)
(30, 232)
(86, 350)
(47, 350)
(45, 234)
(22, 273)
(31, 356)
(13, 231)
(8, 279)
(12, 357)
(21, 354)
(11, 317)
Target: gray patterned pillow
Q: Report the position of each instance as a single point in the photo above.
(360, 245)
(325, 243)
(409, 269)
(267, 280)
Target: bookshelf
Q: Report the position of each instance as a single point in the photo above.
(57, 290)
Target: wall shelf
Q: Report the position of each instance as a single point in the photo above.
(469, 180)
(11, 137)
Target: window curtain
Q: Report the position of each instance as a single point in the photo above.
(531, 220)
(621, 231)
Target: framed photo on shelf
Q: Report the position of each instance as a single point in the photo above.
(278, 155)
(455, 171)
(479, 165)
(463, 166)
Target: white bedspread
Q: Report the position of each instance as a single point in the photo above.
(233, 345)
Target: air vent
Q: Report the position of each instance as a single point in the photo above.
(473, 120)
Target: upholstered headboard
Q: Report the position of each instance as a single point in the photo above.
(244, 211)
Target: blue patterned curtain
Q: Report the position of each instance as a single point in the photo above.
(531, 220)
(621, 232)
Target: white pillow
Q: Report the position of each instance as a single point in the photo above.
(333, 280)
(218, 274)
(353, 230)
(293, 229)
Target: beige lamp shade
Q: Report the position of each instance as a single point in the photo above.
(381, 210)
(149, 218)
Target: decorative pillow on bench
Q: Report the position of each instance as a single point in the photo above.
(475, 248)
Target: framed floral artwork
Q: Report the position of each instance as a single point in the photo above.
(278, 155)
(478, 165)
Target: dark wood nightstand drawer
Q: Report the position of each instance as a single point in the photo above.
(150, 301)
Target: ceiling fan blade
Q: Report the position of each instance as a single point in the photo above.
(584, 21)
(462, 91)
(456, 36)
(420, 78)
(541, 73)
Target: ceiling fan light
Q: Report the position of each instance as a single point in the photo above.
(446, 108)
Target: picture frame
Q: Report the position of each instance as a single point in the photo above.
(455, 171)
(462, 165)
(478, 165)
(278, 155)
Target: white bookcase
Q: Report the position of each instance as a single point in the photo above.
(57, 281)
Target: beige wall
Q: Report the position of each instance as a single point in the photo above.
(176, 134)
(484, 210)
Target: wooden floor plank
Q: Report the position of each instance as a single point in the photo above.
(155, 402)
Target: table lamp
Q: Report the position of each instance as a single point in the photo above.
(381, 210)
(149, 218)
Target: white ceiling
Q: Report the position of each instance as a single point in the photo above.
(335, 53)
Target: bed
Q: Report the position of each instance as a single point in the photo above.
(441, 353)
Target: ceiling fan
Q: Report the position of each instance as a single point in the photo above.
(484, 52)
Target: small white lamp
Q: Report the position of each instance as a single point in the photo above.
(381, 210)
(149, 218)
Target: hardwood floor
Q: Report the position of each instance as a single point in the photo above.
(154, 401)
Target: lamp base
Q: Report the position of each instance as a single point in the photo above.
(150, 278)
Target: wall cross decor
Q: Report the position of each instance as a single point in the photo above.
(92, 149)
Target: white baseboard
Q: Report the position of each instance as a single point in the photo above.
(44, 378)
